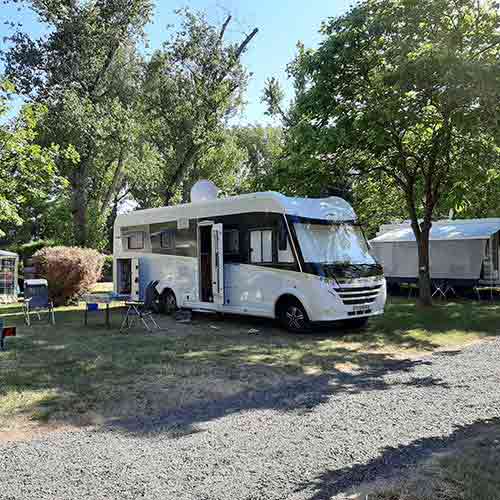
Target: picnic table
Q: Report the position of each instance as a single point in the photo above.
(92, 302)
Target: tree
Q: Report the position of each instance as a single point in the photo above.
(87, 72)
(27, 170)
(303, 169)
(410, 90)
(263, 148)
(192, 87)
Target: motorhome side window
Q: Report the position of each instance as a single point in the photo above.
(285, 254)
(167, 239)
(231, 241)
(135, 241)
(261, 246)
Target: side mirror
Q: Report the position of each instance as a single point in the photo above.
(282, 237)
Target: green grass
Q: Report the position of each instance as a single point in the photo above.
(464, 470)
(446, 324)
(85, 375)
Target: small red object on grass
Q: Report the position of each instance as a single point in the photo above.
(9, 331)
(6, 331)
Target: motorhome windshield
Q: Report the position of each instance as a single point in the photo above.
(335, 243)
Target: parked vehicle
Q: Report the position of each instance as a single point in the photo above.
(464, 253)
(8, 276)
(298, 260)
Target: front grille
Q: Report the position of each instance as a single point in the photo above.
(359, 313)
(359, 295)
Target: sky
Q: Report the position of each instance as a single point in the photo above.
(281, 23)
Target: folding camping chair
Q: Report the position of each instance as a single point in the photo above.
(142, 311)
(36, 300)
(443, 288)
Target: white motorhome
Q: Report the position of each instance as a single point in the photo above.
(298, 260)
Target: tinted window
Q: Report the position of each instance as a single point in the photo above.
(167, 239)
(231, 241)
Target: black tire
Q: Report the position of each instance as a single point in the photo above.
(168, 303)
(293, 317)
(155, 303)
(356, 323)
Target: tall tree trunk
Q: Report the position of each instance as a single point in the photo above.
(422, 233)
(186, 191)
(79, 208)
(180, 173)
(424, 275)
(115, 184)
(110, 223)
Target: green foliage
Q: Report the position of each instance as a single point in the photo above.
(263, 148)
(193, 85)
(107, 269)
(27, 250)
(409, 89)
(27, 169)
(402, 90)
(87, 71)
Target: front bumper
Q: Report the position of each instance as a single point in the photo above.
(357, 299)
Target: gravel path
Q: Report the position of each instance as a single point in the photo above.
(304, 442)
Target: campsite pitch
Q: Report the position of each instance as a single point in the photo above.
(71, 375)
(239, 409)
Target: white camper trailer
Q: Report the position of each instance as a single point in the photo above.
(262, 254)
(463, 253)
(8, 276)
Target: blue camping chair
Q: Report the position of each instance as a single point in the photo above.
(36, 300)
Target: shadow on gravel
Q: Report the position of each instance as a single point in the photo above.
(299, 396)
(391, 463)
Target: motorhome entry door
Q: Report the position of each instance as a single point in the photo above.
(134, 292)
(218, 264)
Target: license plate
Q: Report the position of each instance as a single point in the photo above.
(358, 308)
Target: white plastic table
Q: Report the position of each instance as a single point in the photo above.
(102, 298)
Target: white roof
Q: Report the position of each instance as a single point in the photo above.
(333, 208)
(464, 229)
(4, 253)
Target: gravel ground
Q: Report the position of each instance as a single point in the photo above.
(309, 441)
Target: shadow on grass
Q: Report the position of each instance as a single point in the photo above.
(395, 461)
(172, 380)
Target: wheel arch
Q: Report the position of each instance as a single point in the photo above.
(287, 296)
(164, 286)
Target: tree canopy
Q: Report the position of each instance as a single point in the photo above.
(396, 110)
(27, 170)
(408, 90)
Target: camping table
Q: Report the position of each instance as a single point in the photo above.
(102, 298)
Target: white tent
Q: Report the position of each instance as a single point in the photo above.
(463, 251)
(8, 276)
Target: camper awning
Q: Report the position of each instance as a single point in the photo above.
(4, 253)
(479, 229)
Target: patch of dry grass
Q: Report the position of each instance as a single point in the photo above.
(105, 287)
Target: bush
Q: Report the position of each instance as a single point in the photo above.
(107, 269)
(70, 271)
